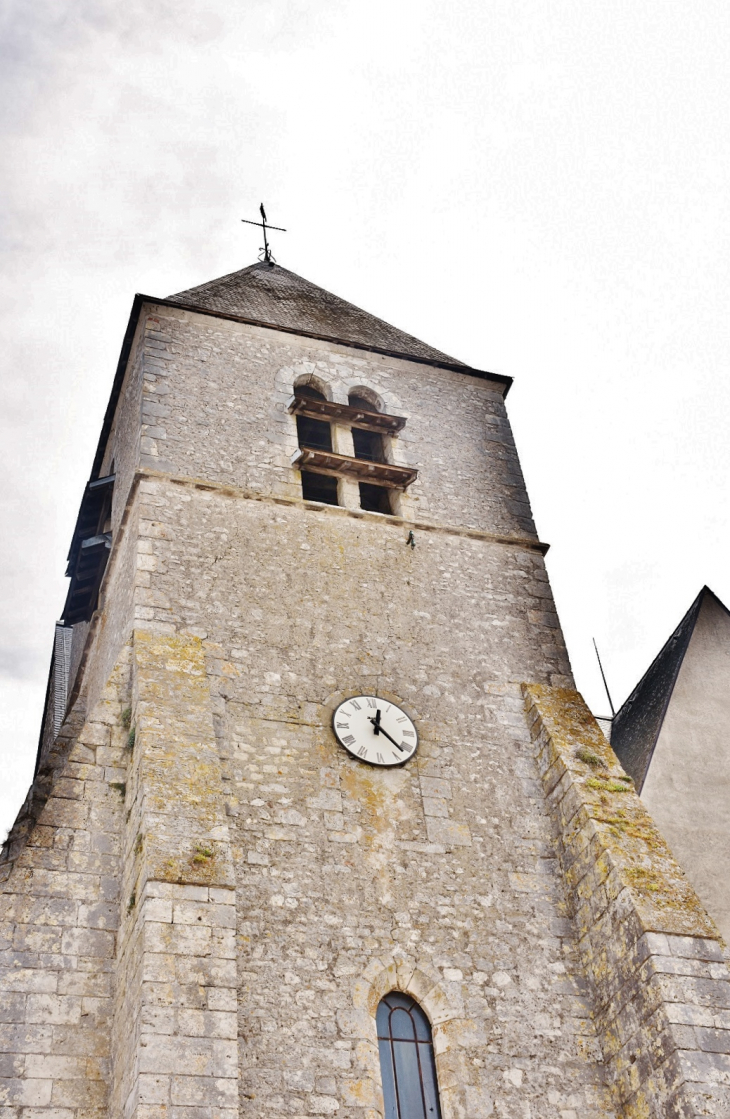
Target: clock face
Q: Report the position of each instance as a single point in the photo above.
(375, 731)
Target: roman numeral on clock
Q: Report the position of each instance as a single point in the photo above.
(348, 739)
(362, 752)
(343, 726)
(355, 704)
(372, 703)
(381, 759)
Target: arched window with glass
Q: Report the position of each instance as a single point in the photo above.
(410, 1089)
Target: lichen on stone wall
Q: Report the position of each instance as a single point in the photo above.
(652, 954)
(177, 762)
(626, 834)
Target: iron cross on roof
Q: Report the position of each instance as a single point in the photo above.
(264, 225)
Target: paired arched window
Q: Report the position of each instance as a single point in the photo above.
(369, 446)
(407, 1064)
(316, 435)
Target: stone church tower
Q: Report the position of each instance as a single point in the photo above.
(312, 773)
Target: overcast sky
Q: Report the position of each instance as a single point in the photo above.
(539, 189)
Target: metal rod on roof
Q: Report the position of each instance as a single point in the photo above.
(263, 224)
(603, 676)
(267, 251)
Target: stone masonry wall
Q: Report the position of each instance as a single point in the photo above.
(215, 397)
(111, 626)
(175, 1012)
(320, 579)
(654, 957)
(59, 911)
(439, 878)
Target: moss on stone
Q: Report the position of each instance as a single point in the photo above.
(663, 897)
(607, 785)
(583, 754)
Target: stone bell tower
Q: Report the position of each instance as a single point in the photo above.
(219, 902)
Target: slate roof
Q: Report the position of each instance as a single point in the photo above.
(636, 727)
(272, 295)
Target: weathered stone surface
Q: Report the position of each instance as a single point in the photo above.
(652, 954)
(205, 898)
(63, 930)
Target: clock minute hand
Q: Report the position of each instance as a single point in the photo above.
(382, 730)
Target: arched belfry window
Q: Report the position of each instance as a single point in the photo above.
(410, 1090)
(330, 458)
(369, 446)
(316, 435)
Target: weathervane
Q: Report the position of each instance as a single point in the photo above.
(264, 225)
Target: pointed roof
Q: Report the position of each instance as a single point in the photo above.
(636, 728)
(268, 294)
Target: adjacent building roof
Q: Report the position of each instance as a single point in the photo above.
(636, 727)
(269, 294)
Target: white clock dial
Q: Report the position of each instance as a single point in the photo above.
(375, 731)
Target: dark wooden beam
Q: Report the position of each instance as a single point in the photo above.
(346, 414)
(380, 473)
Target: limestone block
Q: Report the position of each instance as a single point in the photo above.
(85, 1093)
(448, 833)
(221, 998)
(62, 813)
(197, 1056)
(25, 1092)
(25, 1038)
(88, 942)
(196, 1091)
(11, 1065)
(53, 1009)
(153, 1089)
(28, 979)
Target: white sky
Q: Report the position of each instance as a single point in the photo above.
(540, 189)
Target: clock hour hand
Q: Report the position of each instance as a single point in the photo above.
(382, 730)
